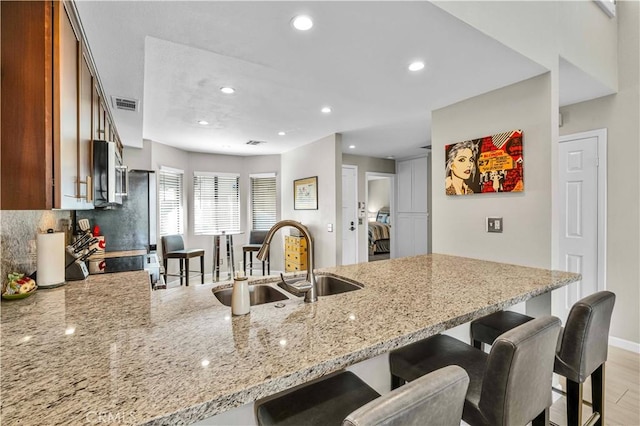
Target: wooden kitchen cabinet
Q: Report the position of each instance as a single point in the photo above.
(68, 95)
(48, 108)
(295, 253)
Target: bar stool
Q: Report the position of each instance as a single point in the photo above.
(509, 386)
(581, 352)
(173, 248)
(433, 400)
(256, 238)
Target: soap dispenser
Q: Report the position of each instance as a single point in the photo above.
(240, 304)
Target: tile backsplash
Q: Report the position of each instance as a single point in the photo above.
(18, 230)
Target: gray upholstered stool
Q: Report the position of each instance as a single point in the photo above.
(433, 400)
(173, 248)
(509, 386)
(581, 352)
(256, 238)
(487, 329)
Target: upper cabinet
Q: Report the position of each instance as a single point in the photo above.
(51, 109)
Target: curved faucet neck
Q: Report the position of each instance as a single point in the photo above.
(312, 294)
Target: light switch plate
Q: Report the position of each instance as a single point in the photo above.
(494, 224)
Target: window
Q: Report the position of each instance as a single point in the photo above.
(170, 200)
(263, 201)
(216, 202)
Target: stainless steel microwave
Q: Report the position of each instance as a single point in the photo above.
(110, 178)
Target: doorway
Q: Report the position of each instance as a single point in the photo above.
(582, 215)
(379, 205)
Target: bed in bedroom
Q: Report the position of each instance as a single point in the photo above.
(379, 232)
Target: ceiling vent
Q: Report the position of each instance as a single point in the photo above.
(252, 142)
(124, 103)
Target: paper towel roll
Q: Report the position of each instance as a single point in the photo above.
(50, 259)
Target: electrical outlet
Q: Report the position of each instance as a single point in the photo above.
(494, 224)
(32, 247)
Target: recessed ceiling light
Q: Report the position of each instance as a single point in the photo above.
(302, 22)
(390, 157)
(326, 110)
(203, 122)
(352, 146)
(281, 133)
(227, 90)
(416, 66)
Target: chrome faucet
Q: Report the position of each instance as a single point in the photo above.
(310, 287)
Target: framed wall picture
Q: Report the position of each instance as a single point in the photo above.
(485, 165)
(305, 193)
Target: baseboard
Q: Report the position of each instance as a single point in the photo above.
(624, 344)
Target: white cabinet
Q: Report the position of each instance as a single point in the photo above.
(412, 218)
(412, 185)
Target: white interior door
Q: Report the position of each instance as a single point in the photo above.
(578, 209)
(349, 215)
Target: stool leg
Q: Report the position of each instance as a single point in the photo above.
(250, 263)
(574, 403)
(268, 263)
(244, 261)
(597, 393)
(541, 419)
(186, 270)
(165, 263)
(182, 271)
(263, 268)
(202, 269)
(477, 344)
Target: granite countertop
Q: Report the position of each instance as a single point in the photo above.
(110, 346)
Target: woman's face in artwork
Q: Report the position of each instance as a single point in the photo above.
(462, 164)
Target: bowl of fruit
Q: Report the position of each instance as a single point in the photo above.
(18, 286)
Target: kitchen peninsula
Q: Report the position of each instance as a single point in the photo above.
(109, 346)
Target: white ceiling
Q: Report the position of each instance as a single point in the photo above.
(174, 56)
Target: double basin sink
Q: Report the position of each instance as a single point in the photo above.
(265, 293)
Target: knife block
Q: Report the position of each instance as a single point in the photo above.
(76, 269)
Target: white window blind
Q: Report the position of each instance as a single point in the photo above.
(216, 202)
(263, 201)
(170, 200)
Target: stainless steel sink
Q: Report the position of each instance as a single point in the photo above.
(328, 285)
(258, 294)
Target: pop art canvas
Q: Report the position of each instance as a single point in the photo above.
(485, 165)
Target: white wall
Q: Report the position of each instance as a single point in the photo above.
(323, 159)
(619, 115)
(459, 221)
(366, 164)
(378, 194)
(578, 31)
